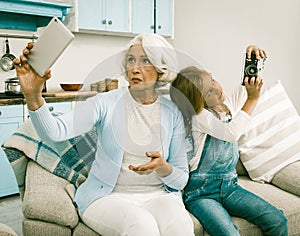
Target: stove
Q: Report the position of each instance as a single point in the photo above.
(10, 95)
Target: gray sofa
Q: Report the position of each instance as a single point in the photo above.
(46, 179)
(49, 210)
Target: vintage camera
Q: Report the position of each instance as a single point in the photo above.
(252, 67)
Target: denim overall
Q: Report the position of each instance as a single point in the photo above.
(213, 194)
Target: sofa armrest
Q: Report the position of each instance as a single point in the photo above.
(288, 178)
(46, 199)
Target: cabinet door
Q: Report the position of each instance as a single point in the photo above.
(142, 16)
(164, 17)
(103, 15)
(8, 183)
(8, 127)
(59, 107)
(11, 117)
(116, 15)
(152, 16)
(91, 14)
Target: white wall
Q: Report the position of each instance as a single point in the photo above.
(84, 54)
(216, 32)
(212, 32)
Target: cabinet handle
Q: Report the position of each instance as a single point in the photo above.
(0, 113)
(159, 27)
(152, 26)
(110, 22)
(103, 22)
(51, 108)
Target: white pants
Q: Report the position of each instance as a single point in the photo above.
(159, 214)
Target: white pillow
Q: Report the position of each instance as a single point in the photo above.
(273, 139)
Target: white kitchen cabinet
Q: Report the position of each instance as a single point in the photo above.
(103, 15)
(11, 117)
(152, 16)
(55, 108)
(59, 107)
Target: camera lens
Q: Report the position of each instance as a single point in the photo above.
(251, 71)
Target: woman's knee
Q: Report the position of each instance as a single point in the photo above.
(142, 225)
(177, 225)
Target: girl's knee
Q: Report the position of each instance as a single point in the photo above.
(282, 224)
(279, 225)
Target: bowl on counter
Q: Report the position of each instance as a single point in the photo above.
(71, 86)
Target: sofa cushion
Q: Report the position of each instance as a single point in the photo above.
(288, 178)
(240, 169)
(273, 139)
(41, 228)
(246, 228)
(46, 199)
(285, 201)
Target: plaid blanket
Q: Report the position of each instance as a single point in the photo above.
(70, 159)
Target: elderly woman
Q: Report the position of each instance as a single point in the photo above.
(140, 167)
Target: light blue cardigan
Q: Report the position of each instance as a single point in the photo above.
(106, 112)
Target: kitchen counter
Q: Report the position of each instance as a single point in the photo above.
(59, 96)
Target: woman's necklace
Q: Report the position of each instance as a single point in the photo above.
(149, 101)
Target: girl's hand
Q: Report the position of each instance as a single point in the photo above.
(31, 83)
(260, 53)
(253, 87)
(157, 163)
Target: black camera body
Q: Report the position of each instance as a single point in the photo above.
(252, 67)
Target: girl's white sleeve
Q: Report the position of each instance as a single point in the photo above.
(237, 99)
(207, 123)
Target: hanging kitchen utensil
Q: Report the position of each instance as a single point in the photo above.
(6, 61)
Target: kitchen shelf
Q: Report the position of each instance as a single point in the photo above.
(30, 14)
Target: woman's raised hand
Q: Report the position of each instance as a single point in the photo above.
(31, 83)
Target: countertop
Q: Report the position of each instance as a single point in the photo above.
(58, 96)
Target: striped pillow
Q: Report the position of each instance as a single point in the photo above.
(273, 139)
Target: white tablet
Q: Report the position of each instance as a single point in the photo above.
(49, 46)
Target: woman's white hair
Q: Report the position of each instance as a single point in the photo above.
(161, 54)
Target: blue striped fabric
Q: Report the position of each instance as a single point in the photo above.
(70, 159)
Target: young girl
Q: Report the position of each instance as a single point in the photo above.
(215, 124)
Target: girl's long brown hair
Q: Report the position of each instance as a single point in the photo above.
(185, 91)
